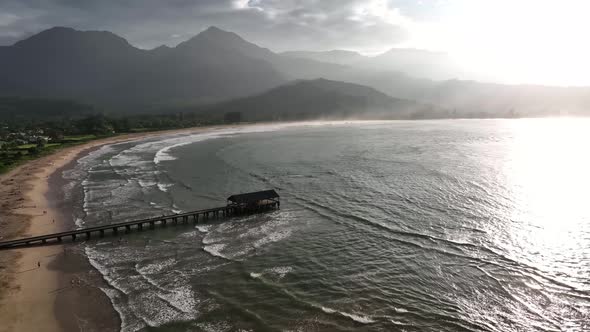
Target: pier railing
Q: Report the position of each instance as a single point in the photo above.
(128, 226)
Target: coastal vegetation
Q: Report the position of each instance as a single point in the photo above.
(20, 142)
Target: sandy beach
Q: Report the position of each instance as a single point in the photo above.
(40, 288)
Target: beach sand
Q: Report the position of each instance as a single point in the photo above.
(42, 288)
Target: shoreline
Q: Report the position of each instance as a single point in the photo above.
(43, 297)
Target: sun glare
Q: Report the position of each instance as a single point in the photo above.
(525, 41)
(548, 171)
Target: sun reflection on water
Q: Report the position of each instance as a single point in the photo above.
(548, 173)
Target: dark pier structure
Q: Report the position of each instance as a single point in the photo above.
(248, 203)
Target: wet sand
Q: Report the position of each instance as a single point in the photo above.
(44, 288)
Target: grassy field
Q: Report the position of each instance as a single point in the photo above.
(25, 146)
(78, 138)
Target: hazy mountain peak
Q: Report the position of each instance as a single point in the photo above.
(64, 36)
(217, 35)
(214, 29)
(227, 41)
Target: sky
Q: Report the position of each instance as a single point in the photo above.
(509, 41)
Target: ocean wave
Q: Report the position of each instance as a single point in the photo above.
(164, 153)
(152, 297)
(156, 267)
(397, 322)
(359, 318)
(126, 324)
(146, 183)
(272, 237)
(182, 298)
(279, 271)
(164, 186)
(203, 228)
(215, 250)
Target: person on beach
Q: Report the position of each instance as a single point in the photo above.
(38, 264)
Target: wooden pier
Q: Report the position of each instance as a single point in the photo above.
(237, 205)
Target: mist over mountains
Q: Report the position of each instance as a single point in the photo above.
(216, 66)
(414, 62)
(320, 98)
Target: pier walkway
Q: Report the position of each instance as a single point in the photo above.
(259, 205)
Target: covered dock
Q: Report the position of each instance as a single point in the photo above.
(254, 202)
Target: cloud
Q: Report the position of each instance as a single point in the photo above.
(277, 24)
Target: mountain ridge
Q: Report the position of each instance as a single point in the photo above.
(318, 99)
(103, 69)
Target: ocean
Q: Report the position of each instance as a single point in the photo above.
(455, 225)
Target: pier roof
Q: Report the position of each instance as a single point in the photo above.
(253, 196)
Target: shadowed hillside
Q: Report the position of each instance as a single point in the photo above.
(318, 99)
(103, 68)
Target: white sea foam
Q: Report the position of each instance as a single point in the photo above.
(355, 317)
(146, 183)
(358, 318)
(208, 239)
(281, 271)
(164, 186)
(397, 322)
(203, 228)
(164, 153)
(151, 300)
(79, 222)
(328, 310)
(215, 327)
(272, 237)
(156, 267)
(215, 250)
(181, 298)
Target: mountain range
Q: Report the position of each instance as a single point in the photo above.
(102, 68)
(216, 66)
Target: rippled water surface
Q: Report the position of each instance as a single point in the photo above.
(409, 226)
